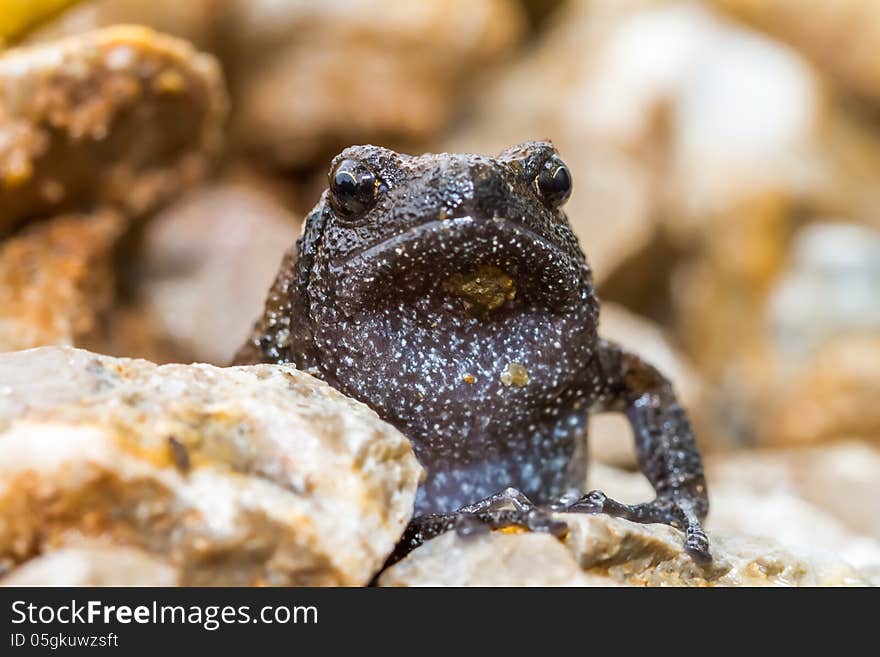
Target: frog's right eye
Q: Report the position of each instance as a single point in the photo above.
(553, 182)
(353, 188)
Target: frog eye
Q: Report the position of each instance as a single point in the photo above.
(353, 187)
(553, 182)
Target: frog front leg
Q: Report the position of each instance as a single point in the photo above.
(508, 508)
(665, 445)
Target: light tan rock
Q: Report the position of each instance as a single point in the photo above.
(123, 116)
(629, 93)
(830, 396)
(611, 440)
(95, 130)
(741, 132)
(746, 120)
(603, 551)
(194, 20)
(57, 280)
(822, 500)
(311, 78)
(820, 33)
(840, 480)
(93, 566)
(545, 93)
(243, 475)
(651, 555)
(781, 516)
(205, 264)
(823, 319)
(835, 262)
(623, 485)
(494, 559)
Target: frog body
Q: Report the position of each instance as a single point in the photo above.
(449, 293)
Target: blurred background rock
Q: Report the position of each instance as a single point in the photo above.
(726, 156)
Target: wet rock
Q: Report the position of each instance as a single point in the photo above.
(205, 264)
(122, 116)
(306, 75)
(825, 505)
(235, 476)
(56, 280)
(602, 551)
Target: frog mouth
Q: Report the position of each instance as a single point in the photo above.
(450, 255)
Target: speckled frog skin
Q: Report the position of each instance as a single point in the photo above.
(448, 293)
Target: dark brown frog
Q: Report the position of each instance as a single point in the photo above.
(448, 293)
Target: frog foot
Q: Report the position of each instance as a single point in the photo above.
(509, 508)
(679, 514)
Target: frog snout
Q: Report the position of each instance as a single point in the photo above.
(488, 183)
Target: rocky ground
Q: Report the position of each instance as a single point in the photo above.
(725, 156)
(601, 551)
(210, 476)
(264, 475)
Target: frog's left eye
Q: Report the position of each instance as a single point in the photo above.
(553, 182)
(353, 188)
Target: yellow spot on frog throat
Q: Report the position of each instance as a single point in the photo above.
(468, 378)
(515, 374)
(483, 290)
(512, 529)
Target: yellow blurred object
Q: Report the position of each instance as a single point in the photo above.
(18, 16)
